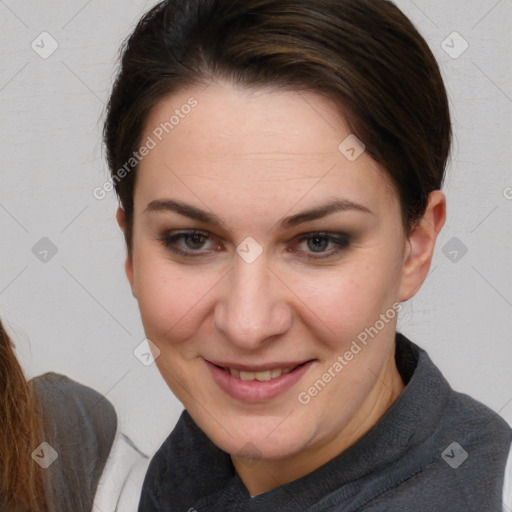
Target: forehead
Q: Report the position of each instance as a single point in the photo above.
(268, 145)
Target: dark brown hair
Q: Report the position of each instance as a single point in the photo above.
(363, 54)
(21, 481)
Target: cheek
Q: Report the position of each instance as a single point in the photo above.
(170, 301)
(344, 301)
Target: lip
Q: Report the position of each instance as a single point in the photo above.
(255, 390)
(258, 367)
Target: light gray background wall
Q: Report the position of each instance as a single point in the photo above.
(74, 313)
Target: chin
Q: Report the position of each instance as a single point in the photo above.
(258, 438)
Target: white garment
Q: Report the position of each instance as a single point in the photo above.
(120, 484)
(507, 486)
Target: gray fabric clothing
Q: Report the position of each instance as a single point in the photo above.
(80, 425)
(407, 461)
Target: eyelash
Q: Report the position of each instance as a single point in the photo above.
(341, 241)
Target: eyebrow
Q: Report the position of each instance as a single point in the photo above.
(192, 212)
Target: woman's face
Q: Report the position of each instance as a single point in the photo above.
(273, 276)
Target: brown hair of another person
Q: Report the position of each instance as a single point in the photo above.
(21, 483)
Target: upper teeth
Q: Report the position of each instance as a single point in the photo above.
(264, 375)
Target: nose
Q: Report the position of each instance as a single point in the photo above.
(252, 310)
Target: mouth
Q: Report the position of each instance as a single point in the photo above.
(257, 383)
(260, 375)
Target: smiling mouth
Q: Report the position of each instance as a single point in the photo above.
(257, 383)
(264, 375)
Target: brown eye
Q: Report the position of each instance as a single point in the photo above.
(194, 241)
(189, 243)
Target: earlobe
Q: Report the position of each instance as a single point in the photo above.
(120, 217)
(128, 269)
(128, 265)
(421, 244)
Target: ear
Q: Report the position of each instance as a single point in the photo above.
(128, 265)
(420, 245)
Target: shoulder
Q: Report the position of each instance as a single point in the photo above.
(463, 434)
(54, 387)
(79, 425)
(72, 408)
(476, 427)
(458, 411)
